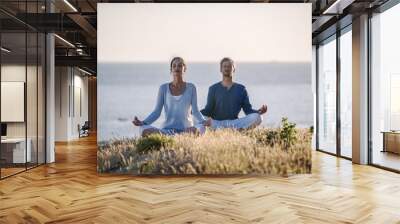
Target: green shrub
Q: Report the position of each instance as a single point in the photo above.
(153, 142)
(272, 137)
(267, 137)
(288, 133)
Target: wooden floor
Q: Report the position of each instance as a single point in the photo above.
(10, 171)
(70, 191)
(387, 159)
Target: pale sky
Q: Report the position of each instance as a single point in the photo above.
(246, 32)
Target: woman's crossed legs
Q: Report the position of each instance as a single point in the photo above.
(146, 130)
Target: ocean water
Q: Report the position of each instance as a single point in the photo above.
(128, 90)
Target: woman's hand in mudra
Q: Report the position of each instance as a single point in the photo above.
(137, 122)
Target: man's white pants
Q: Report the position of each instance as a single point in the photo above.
(249, 121)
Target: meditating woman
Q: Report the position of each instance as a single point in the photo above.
(179, 99)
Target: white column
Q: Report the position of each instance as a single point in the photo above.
(360, 90)
(50, 99)
(50, 92)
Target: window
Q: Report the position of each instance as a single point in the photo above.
(385, 88)
(346, 75)
(327, 95)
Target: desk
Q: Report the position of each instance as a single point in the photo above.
(13, 150)
(391, 141)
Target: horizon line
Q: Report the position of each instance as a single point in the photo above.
(206, 62)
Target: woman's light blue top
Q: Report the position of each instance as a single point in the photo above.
(179, 110)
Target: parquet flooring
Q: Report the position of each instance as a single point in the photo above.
(71, 191)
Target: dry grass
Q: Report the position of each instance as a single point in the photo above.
(217, 152)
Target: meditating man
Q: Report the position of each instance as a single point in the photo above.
(226, 99)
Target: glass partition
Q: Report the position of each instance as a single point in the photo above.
(22, 78)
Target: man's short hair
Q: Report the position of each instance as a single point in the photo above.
(225, 60)
(177, 58)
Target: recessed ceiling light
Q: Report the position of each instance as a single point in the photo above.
(70, 5)
(64, 40)
(84, 71)
(338, 6)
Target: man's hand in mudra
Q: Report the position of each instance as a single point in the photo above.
(263, 109)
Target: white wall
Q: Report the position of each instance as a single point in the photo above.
(79, 117)
(34, 125)
(69, 82)
(62, 81)
(12, 73)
